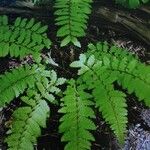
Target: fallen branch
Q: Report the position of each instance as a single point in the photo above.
(139, 28)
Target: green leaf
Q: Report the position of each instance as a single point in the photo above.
(91, 61)
(5, 20)
(17, 21)
(25, 37)
(42, 29)
(134, 3)
(99, 69)
(76, 64)
(76, 120)
(83, 70)
(26, 125)
(65, 41)
(71, 19)
(131, 3)
(60, 81)
(82, 58)
(36, 26)
(30, 23)
(14, 83)
(76, 42)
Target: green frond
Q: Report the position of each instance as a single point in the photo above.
(131, 73)
(110, 102)
(27, 122)
(103, 65)
(23, 38)
(113, 105)
(76, 121)
(14, 83)
(4, 23)
(103, 49)
(50, 86)
(136, 80)
(71, 17)
(131, 3)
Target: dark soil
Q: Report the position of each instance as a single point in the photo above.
(97, 31)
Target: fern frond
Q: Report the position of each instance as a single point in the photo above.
(23, 38)
(72, 16)
(113, 105)
(13, 83)
(100, 68)
(136, 80)
(76, 121)
(49, 86)
(34, 31)
(131, 3)
(110, 102)
(102, 49)
(4, 23)
(27, 122)
(131, 73)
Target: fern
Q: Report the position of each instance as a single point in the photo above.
(110, 102)
(14, 83)
(35, 84)
(100, 67)
(132, 74)
(131, 3)
(72, 16)
(49, 86)
(28, 120)
(26, 123)
(76, 120)
(23, 38)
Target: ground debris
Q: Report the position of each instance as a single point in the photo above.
(138, 139)
(145, 115)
